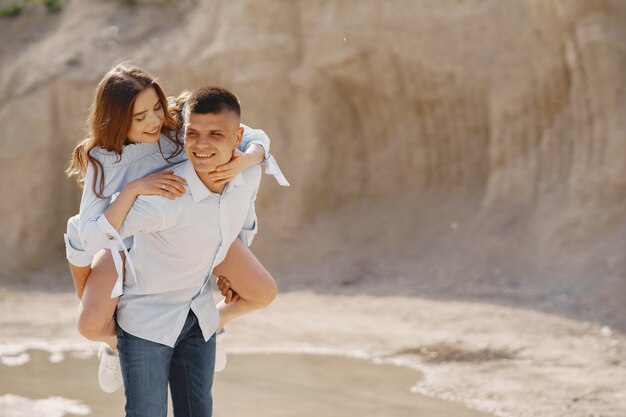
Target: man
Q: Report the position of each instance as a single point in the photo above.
(167, 316)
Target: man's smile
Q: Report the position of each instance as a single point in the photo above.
(205, 155)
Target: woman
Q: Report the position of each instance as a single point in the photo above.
(133, 137)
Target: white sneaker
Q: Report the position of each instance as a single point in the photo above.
(109, 370)
(220, 351)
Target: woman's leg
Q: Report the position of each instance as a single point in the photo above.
(79, 260)
(248, 278)
(79, 275)
(96, 309)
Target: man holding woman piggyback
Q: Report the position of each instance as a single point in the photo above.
(181, 225)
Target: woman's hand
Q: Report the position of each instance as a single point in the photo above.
(229, 170)
(160, 183)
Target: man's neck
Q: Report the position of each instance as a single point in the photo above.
(211, 185)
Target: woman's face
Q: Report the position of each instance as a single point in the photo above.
(148, 114)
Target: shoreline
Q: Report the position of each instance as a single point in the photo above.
(506, 361)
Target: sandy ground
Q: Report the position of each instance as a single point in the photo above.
(506, 361)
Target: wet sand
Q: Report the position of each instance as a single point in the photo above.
(290, 385)
(262, 385)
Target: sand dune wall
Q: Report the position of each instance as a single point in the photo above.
(510, 103)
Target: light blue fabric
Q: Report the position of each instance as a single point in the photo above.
(83, 241)
(177, 244)
(73, 249)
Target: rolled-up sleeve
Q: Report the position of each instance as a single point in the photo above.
(250, 225)
(248, 232)
(73, 248)
(92, 236)
(259, 137)
(254, 136)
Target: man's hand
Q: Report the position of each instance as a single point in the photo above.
(223, 284)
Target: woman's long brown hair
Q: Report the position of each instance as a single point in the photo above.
(110, 119)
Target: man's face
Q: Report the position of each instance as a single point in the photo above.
(211, 138)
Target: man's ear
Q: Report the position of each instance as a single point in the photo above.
(239, 136)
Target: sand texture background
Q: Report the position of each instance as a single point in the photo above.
(454, 152)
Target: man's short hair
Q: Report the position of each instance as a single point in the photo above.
(213, 100)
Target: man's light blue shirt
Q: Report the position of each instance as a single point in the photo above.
(177, 243)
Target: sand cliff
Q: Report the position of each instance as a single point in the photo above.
(451, 149)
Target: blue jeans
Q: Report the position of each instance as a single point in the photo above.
(148, 366)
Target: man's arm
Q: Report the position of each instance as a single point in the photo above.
(163, 183)
(145, 216)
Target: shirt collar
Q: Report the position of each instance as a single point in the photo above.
(199, 191)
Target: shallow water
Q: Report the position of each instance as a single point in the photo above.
(260, 385)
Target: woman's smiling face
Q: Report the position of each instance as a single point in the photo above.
(147, 116)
